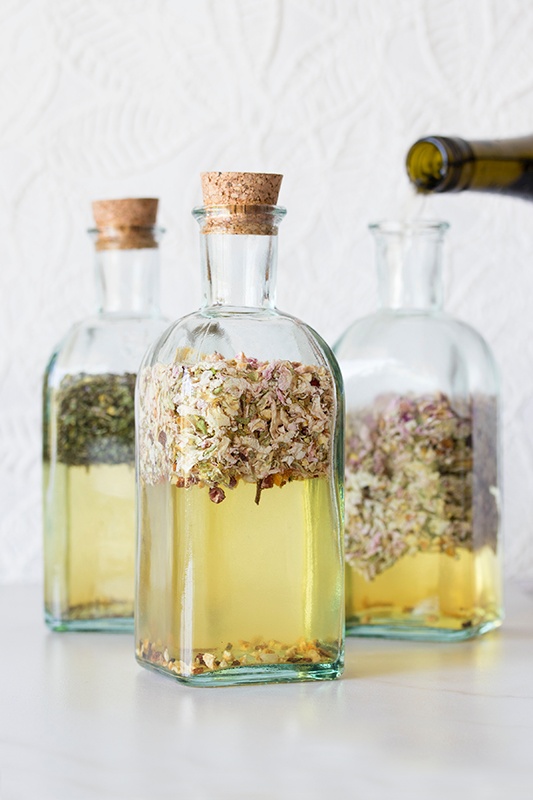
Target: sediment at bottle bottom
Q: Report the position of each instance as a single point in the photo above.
(256, 653)
(455, 595)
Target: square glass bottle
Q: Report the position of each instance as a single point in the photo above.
(240, 562)
(422, 489)
(89, 428)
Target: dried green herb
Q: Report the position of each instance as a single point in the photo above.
(96, 419)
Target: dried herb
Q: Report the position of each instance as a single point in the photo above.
(110, 609)
(96, 419)
(421, 476)
(219, 421)
(258, 653)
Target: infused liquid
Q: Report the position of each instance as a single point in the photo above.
(433, 593)
(90, 546)
(243, 584)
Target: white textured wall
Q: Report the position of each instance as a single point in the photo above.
(111, 98)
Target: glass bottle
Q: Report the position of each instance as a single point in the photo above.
(240, 563)
(422, 492)
(451, 164)
(89, 428)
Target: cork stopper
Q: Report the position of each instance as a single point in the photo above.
(240, 199)
(240, 188)
(125, 224)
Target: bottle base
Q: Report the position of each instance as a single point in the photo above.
(239, 676)
(404, 630)
(100, 625)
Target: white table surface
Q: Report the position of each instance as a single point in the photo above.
(80, 720)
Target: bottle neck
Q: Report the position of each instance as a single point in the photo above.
(127, 282)
(239, 246)
(239, 270)
(409, 265)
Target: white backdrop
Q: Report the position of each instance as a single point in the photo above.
(114, 98)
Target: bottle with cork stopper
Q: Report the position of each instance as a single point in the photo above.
(89, 427)
(239, 430)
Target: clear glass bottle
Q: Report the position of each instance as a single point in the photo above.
(89, 428)
(452, 164)
(240, 563)
(422, 492)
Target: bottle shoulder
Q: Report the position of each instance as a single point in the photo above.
(104, 343)
(265, 334)
(429, 351)
(394, 329)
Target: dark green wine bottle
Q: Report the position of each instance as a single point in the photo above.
(451, 164)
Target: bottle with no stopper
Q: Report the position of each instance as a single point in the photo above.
(422, 493)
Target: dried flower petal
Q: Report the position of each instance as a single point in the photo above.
(218, 421)
(413, 483)
(303, 652)
(216, 494)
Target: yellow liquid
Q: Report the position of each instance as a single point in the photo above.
(89, 544)
(426, 594)
(239, 573)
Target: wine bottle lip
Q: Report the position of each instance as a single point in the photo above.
(439, 164)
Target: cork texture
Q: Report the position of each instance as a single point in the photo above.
(240, 188)
(243, 196)
(126, 224)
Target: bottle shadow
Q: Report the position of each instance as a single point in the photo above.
(371, 658)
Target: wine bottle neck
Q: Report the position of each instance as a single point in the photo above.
(451, 164)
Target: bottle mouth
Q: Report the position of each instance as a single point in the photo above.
(427, 164)
(435, 164)
(252, 220)
(416, 227)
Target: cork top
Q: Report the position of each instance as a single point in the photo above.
(244, 196)
(240, 188)
(126, 224)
